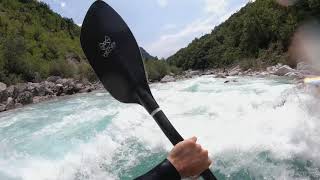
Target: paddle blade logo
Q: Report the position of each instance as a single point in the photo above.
(107, 46)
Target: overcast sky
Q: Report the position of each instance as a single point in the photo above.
(160, 26)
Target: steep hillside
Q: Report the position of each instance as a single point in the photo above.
(256, 36)
(145, 55)
(35, 43)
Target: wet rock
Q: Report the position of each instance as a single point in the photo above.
(221, 75)
(59, 89)
(25, 98)
(3, 86)
(168, 78)
(235, 71)
(296, 75)
(262, 74)
(36, 99)
(2, 107)
(86, 89)
(18, 105)
(247, 71)
(12, 91)
(78, 87)
(209, 72)
(191, 73)
(33, 88)
(10, 103)
(69, 87)
(283, 70)
(47, 88)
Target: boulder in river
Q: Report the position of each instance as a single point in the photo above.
(283, 70)
(235, 71)
(168, 78)
(221, 75)
(18, 105)
(2, 107)
(10, 103)
(3, 86)
(25, 98)
(296, 75)
(12, 91)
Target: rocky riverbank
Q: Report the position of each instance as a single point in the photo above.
(302, 71)
(16, 96)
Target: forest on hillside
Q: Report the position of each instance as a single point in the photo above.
(256, 36)
(36, 43)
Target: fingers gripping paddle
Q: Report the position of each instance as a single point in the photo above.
(115, 57)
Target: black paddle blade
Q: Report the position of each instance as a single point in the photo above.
(113, 53)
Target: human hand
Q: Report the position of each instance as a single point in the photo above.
(189, 158)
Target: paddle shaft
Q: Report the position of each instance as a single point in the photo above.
(167, 128)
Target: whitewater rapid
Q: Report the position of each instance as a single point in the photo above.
(254, 128)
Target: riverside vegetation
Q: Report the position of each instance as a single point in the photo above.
(257, 36)
(36, 43)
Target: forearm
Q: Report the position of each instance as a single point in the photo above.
(165, 170)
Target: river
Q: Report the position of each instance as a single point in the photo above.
(254, 128)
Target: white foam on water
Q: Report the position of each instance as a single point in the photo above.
(72, 120)
(237, 122)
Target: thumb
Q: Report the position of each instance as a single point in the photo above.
(193, 139)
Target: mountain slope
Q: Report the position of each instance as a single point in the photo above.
(256, 36)
(145, 55)
(35, 43)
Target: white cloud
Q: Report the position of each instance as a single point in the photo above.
(162, 3)
(170, 43)
(215, 6)
(215, 13)
(63, 4)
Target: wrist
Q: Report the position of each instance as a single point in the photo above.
(176, 165)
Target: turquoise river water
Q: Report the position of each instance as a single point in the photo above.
(254, 129)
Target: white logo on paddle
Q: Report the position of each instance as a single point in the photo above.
(107, 46)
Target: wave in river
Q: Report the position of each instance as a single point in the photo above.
(253, 128)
